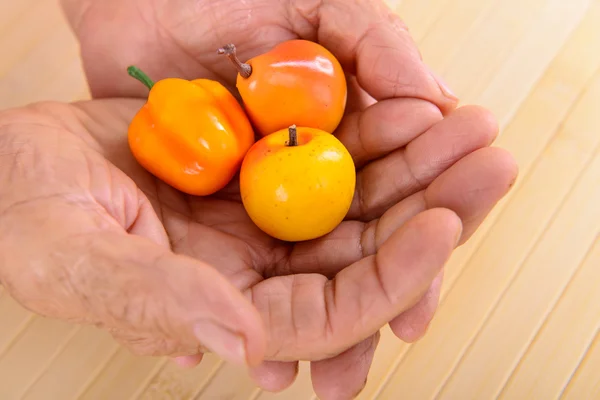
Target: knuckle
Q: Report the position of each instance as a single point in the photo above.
(384, 70)
(309, 10)
(48, 109)
(15, 147)
(48, 282)
(34, 289)
(396, 22)
(44, 112)
(154, 346)
(383, 61)
(141, 344)
(27, 144)
(148, 347)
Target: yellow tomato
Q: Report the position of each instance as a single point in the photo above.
(297, 184)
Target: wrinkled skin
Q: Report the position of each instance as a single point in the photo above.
(87, 235)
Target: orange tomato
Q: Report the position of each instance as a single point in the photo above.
(298, 82)
(297, 184)
(193, 135)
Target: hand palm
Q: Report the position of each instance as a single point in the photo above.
(410, 159)
(216, 229)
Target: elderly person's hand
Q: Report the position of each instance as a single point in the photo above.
(89, 236)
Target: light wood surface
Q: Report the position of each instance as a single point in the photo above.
(520, 309)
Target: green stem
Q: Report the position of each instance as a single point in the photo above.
(140, 76)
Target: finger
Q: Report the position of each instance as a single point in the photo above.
(311, 317)
(162, 303)
(189, 361)
(344, 376)
(491, 171)
(274, 376)
(385, 182)
(411, 325)
(371, 41)
(358, 99)
(386, 126)
(471, 188)
(380, 287)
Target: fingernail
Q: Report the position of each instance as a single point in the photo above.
(444, 86)
(222, 342)
(458, 238)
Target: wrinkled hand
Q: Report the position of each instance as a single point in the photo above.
(88, 236)
(142, 262)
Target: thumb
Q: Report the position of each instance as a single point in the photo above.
(373, 43)
(152, 300)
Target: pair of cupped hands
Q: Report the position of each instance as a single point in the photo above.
(87, 235)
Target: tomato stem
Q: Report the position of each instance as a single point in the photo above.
(230, 52)
(293, 136)
(140, 76)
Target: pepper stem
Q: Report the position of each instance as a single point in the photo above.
(245, 70)
(140, 76)
(293, 136)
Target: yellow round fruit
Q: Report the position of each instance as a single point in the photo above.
(297, 184)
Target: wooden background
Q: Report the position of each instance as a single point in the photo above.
(520, 311)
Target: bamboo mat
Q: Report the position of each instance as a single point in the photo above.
(520, 309)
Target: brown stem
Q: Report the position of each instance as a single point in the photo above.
(293, 136)
(229, 51)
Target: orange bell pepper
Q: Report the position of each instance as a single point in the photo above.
(193, 135)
